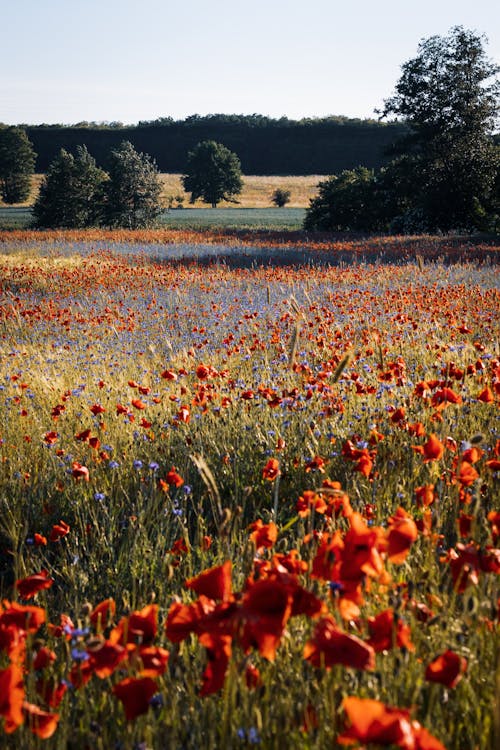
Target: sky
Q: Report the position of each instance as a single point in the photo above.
(67, 61)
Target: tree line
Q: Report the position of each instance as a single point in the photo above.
(264, 145)
(444, 171)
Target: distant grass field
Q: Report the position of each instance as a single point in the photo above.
(257, 190)
(193, 218)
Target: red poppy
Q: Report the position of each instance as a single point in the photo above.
(79, 472)
(102, 613)
(446, 669)
(138, 404)
(59, 530)
(153, 660)
(467, 474)
(173, 478)
(97, 409)
(330, 645)
(214, 583)
(135, 695)
(30, 586)
(371, 721)
(11, 697)
(139, 627)
(22, 616)
(388, 631)
(41, 723)
(271, 470)
(263, 535)
(218, 655)
(104, 658)
(51, 437)
(265, 611)
(432, 450)
(40, 540)
(44, 658)
(315, 464)
(400, 536)
(486, 396)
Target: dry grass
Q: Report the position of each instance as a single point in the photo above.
(257, 190)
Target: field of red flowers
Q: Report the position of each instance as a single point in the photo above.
(249, 492)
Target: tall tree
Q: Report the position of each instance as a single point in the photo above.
(71, 193)
(213, 174)
(17, 162)
(448, 96)
(134, 189)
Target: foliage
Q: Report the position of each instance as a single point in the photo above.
(17, 161)
(448, 96)
(213, 173)
(280, 197)
(132, 195)
(349, 201)
(71, 192)
(264, 145)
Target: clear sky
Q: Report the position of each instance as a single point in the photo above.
(64, 61)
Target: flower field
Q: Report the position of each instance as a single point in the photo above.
(249, 491)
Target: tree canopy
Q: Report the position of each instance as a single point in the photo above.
(71, 192)
(17, 161)
(448, 96)
(213, 173)
(132, 195)
(444, 171)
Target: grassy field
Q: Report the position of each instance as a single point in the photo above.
(248, 506)
(257, 190)
(193, 218)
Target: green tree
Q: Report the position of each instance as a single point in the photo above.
(346, 202)
(213, 174)
(133, 191)
(71, 192)
(17, 162)
(280, 197)
(448, 96)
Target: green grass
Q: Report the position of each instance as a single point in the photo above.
(194, 218)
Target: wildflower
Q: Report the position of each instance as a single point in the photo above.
(30, 586)
(446, 669)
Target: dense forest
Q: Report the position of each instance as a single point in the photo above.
(264, 145)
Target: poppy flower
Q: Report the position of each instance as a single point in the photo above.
(271, 470)
(59, 530)
(153, 660)
(387, 631)
(39, 540)
(467, 474)
(486, 396)
(30, 586)
(79, 472)
(371, 721)
(214, 583)
(265, 611)
(104, 658)
(400, 536)
(315, 464)
(173, 478)
(263, 535)
(447, 669)
(44, 658)
(432, 450)
(135, 695)
(138, 404)
(97, 409)
(22, 616)
(310, 500)
(218, 655)
(330, 645)
(50, 691)
(11, 697)
(103, 612)
(139, 627)
(41, 723)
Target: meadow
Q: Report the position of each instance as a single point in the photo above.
(256, 194)
(249, 491)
